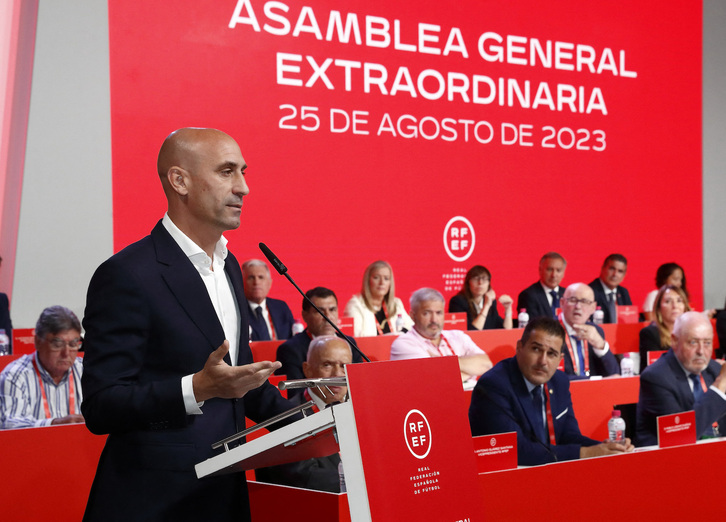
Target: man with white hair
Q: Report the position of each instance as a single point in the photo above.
(586, 352)
(270, 319)
(684, 379)
(327, 357)
(427, 338)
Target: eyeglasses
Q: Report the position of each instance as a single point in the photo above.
(57, 344)
(574, 300)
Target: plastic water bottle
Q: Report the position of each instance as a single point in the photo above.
(341, 477)
(522, 318)
(616, 428)
(627, 367)
(598, 316)
(399, 322)
(297, 327)
(4, 343)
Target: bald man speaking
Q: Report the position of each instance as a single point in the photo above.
(167, 368)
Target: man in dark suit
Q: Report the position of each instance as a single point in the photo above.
(542, 299)
(586, 352)
(168, 370)
(608, 292)
(685, 378)
(327, 357)
(269, 318)
(528, 395)
(293, 352)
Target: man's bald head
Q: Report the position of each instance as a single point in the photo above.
(182, 147)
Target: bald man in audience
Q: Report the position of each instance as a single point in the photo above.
(327, 357)
(586, 352)
(685, 378)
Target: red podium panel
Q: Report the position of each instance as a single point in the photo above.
(415, 441)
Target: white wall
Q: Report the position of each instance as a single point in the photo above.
(66, 214)
(65, 226)
(714, 153)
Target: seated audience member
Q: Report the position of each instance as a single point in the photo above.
(542, 299)
(684, 379)
(510, 398)
(44, 388)
(667, 274)
(5, 322)
(376, 309)
(327, 357)
(478, 299)
(608, 292)
(269, 318)
(428, 339)
(586, 351)
(670, 303)
(292, 353)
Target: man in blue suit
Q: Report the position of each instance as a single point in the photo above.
(684, 379)
(586, 352)
(168, 370)
(269, 318)
(608, 292)
(528, 395)
(542, 299)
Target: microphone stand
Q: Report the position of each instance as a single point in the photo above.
(282, 270)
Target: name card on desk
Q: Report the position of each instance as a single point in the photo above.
(677, 429)
(455, 321)
(627, 314)
(496, 452)
(347, 325)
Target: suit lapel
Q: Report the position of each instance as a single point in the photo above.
(525, 401)
(684, 389)
(233, 271)
(184, 282)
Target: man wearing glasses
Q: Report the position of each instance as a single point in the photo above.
(527, 394)
(44, 388)
(684, 379)
(586, 352)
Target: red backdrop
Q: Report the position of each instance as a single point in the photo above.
(616, 170)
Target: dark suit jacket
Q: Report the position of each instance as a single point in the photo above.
(605, 365)
(500, 403)
(623, 298)
(149, 321)
(319, 473)
(649, 340)
(664, 390)
(282, 320)
(534, 299)
(5, 322)
(493, 320)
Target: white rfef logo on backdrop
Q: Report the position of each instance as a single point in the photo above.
(459, 238)
(417, 432)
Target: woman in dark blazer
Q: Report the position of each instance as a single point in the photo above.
(479, 301)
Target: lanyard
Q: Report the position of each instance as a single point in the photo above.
(446, 345)
(548, 408)
(71, 392)
(573, 356)
(379, 327)
(273, 335)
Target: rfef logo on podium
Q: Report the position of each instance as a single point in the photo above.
(415, 441)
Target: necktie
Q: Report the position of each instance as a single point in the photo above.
(258, 312)
(580, 357)
(538, 407)
(555, 302)
(697, 390)
(611, 308)
(264, 333)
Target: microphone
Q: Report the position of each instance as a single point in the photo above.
(282, 270)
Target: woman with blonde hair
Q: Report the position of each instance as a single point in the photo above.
(377, 310)
(670, 303)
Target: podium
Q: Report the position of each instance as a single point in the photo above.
(403, 438)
